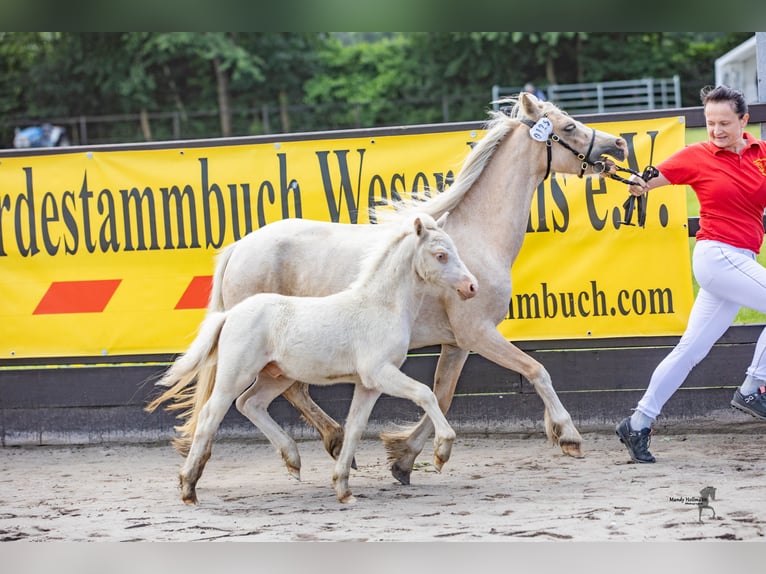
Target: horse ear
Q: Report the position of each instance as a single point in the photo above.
(530, 105)
(419, 229)
(442, 220)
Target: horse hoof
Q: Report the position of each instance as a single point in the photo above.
(294, 472)
(403, 476)
(347, 498)
(190, 499)
(573, 449)
(439, 463)
(333, 443)
(353, 463)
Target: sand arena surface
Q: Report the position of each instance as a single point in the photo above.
(494, 488)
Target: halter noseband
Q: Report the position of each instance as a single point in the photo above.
(598, 166)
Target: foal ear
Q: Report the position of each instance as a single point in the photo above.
(419, 229)
(442, 220)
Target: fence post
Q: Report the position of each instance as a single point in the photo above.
(600, 97)
(176, 126)
(650, 93)
(265, 119)
(677, 89)
(83, 131)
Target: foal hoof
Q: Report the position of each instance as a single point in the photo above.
(349, 499)
(346, 497)
(573, 449)
(189, 499)
(403, 476)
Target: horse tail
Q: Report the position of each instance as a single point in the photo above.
(191, 379)
(215, 304)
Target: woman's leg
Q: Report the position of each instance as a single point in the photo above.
(708, 320)
(729, 278)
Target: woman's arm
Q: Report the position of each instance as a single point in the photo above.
(639, 186)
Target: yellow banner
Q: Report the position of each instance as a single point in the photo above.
(109, 252)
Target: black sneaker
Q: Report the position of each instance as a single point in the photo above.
(637, 442)
(754, 404)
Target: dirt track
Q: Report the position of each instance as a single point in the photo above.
(495, 488)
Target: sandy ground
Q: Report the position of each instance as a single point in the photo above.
(495, 488)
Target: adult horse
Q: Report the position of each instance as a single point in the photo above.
(359, 335)
(489, 205)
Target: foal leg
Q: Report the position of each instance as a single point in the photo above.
(559, 428)
(392, 381)
(404, 446)
(210, 418)
(330, 431)
(254, 402)
(358, 413)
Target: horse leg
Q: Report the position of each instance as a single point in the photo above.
(559, 428)
(330, 431)
(404, 446)
(362, 403)
(254, 402)
(392, 381)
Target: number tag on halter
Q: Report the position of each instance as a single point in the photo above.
(542, 129)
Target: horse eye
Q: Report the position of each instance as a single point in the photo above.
(570, 128)
(441, 257)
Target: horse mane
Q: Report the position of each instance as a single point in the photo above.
(499, 124)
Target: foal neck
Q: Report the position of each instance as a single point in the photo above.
(388, 273)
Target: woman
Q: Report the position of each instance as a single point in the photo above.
(728, 174)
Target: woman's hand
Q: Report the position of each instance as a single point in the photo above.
(637, 185)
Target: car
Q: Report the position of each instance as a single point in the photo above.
(45, 135)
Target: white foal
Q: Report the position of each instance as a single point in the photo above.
(359, 335)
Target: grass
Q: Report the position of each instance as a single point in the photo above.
(745, 316)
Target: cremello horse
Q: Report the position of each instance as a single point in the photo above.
(358, 335)
(489, 205)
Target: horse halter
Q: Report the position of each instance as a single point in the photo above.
(600, 166)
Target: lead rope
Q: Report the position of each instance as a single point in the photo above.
(636, 202)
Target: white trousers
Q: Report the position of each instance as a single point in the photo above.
(729, 278)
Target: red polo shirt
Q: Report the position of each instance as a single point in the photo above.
(731, 189)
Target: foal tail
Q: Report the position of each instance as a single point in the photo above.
(191, 379)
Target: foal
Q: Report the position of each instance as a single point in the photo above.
(360, 335)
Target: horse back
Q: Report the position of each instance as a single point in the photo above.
(297, 257)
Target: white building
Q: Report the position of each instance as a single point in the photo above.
(738, 69)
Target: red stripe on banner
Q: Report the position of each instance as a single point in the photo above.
(77, 297)
(197, 293)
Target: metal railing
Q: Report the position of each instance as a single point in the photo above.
(600, 97)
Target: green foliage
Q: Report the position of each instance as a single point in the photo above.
(266, 82)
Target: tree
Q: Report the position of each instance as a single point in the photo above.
(220, 52)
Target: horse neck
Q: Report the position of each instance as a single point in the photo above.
(498, 204)
(389, 277)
